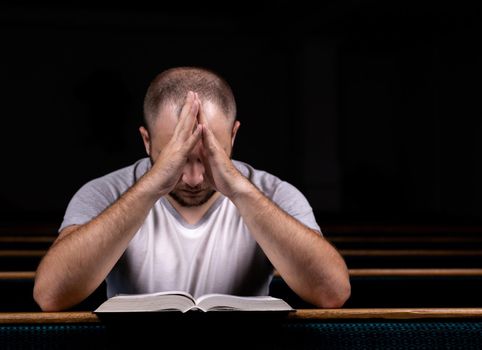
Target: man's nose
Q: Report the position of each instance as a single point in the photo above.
(193, 174)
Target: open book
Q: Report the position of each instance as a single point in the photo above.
(182, 301)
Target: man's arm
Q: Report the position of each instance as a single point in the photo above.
(82, 256)
(308, 263)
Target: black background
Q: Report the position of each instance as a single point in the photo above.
(371, 109)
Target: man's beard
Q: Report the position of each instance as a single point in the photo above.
(188, 196)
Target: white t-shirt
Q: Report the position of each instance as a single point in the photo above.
(216, 255)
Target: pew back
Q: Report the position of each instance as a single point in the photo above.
(305, 329)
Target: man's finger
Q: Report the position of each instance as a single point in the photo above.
(193, 139)
(209, 140)
(186, 107)
(189, 123)
(201, 116)
(207, 167)
(188, 113)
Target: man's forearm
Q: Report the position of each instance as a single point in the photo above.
(308, 263)
(78, 262)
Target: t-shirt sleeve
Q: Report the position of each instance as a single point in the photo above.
(87, 203)
(293, 202)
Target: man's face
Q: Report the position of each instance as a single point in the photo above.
(193, 187)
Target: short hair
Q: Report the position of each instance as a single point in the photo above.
(172, 85)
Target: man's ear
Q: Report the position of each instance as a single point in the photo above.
(146, 139)
(236, 126)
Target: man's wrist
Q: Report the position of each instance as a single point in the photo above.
(148, 188)
(244, 189)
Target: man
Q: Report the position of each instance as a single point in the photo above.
(188, 217)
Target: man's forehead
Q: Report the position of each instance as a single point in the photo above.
(170, 112)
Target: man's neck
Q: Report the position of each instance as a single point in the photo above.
(192, 215)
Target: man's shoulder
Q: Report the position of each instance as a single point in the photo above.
(271, 185)
(264, 180)
(250, 171)
(121, 179)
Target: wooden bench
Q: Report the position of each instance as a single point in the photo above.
(390, 266)
(304, 329)
(404, 236)
(22, 246)
(371, 288)
(365, 246)
(27, 260)
(407, 246)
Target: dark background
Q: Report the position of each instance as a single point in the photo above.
(371, 109)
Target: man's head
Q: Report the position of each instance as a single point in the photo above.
(162, 105)
(172, 86)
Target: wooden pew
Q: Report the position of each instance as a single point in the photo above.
(28, 259)
(407, 246)
(371, 288)
(22, 246)
(353, 326)
(365, 246)
(408, 328)
(390, 266)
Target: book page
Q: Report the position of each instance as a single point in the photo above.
(161, 301)
(221, 302)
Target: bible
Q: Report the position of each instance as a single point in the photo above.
(184, 302)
